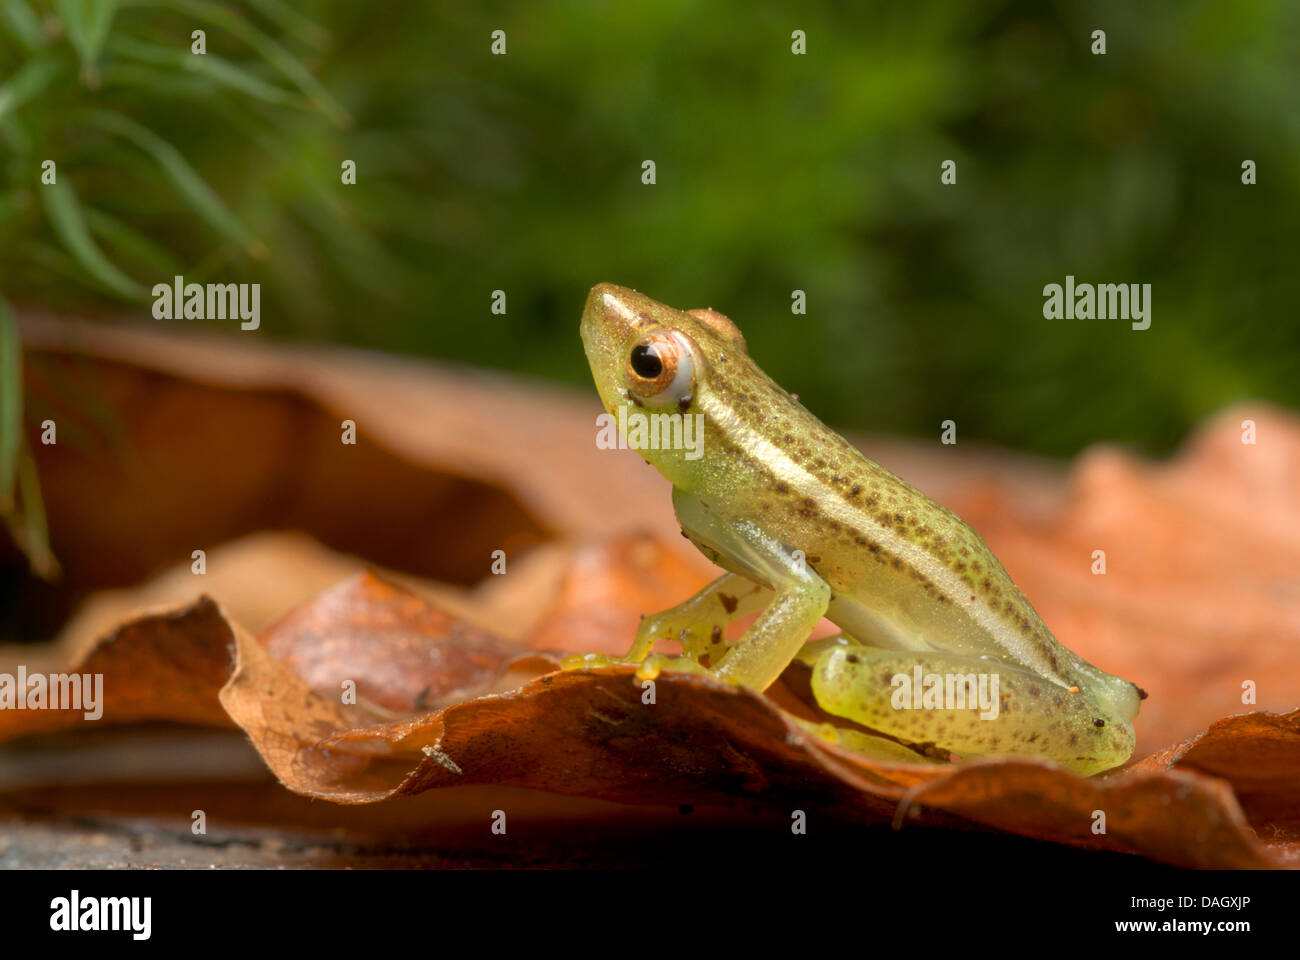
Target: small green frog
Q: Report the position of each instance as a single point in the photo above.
(939, 653)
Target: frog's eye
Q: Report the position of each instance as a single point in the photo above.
(659, 368)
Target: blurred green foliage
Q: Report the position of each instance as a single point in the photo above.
(775, 172)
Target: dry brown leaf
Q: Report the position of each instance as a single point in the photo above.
(402, 653)
(589, 733)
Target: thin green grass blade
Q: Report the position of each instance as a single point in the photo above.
(23, 23)
(64, 211)
(144, 79)
(86, 23)
(231, 75)
(270, 51)
(186, 179)
(292, 22)
(210, 66)
(28, 525)
(11, 404)
(30, 81)
(116, 234)
(55, 261)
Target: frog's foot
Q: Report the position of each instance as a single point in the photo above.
(589, 661)
(876, 748)
(698, 624)
(647, 669)
(812, 651)
(656, 663)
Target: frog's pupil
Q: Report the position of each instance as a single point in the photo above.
(646, 362)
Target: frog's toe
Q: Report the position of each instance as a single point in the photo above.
(587, 661)
(812, 650)
(876, 748)
(654, 664)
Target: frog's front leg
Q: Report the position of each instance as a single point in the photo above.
(772, 641)
(698, 624)
(799, 595)
(972, 706)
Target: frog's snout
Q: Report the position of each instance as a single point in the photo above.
(602, 332)
(610, 320)
(613, 312)
(602, 293)
(1121, 696)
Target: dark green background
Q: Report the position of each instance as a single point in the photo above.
(775, 172)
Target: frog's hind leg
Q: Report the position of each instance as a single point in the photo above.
(698, 624)
(972, 706)
(860, 741)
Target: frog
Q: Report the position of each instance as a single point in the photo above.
(807, 528)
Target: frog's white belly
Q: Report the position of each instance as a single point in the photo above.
(873, 626)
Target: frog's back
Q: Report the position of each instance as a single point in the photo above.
(903, 569)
